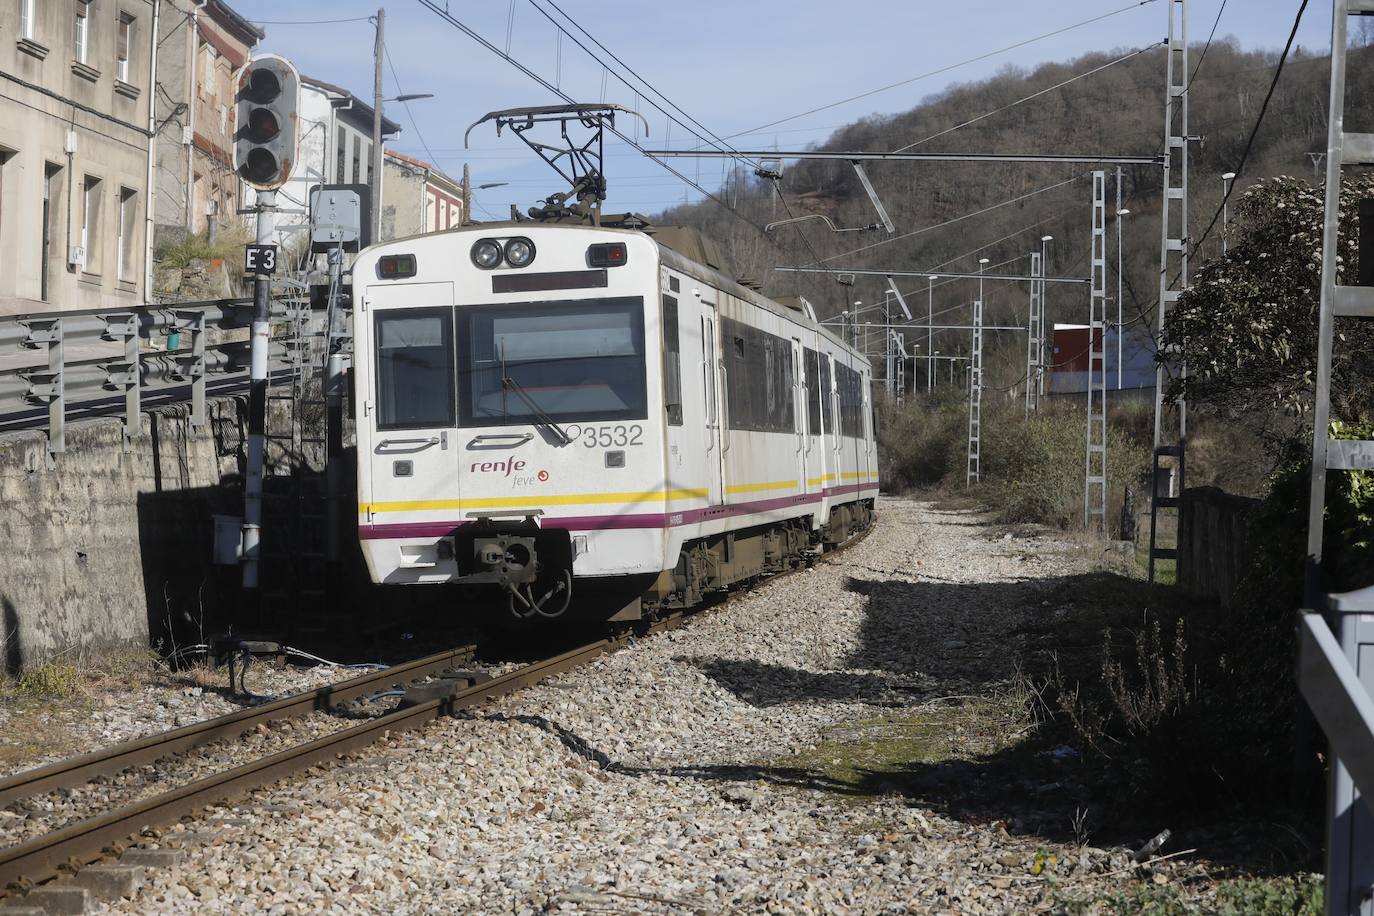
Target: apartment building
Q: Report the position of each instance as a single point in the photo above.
(75, 99)
(418, 197)
(200, 50)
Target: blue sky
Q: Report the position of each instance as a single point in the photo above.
(731, 64)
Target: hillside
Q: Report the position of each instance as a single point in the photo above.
(1116, 111)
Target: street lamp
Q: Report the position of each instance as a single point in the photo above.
(1120, 328)
(492, 184)
(1226, 180)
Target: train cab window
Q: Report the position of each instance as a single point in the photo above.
(414, 368)
(672, 363)
(566, 361)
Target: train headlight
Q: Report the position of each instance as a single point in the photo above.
(486, 254)
(519, 252)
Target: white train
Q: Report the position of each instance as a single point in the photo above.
(549, 408)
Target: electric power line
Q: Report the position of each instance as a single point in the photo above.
(448, 17)
(957, 219)
(1034, 95)
(944, 69)
(1249, 144)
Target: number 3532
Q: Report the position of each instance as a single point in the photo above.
(607, 436)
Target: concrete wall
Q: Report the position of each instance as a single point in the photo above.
(50, 96)
(112, 548)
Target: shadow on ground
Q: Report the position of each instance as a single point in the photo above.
(976, 731)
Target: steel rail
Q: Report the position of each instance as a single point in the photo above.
(112, 760)
(86, 841)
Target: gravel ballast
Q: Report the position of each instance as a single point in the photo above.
(673, 776)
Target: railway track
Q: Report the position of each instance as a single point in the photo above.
(91, 839)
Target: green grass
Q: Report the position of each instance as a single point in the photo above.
(1299, 895)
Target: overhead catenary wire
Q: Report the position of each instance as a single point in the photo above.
(1033, 95)
(1259, 120)
(944, 69)
(950, 222)
(448, 17)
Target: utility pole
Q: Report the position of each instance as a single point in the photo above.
(375, 182)
(1336, 654)
(1226, 180)
(1120, 326)
(930, 334)
(1095, 461)
(1034, 320)
(975, 387)
(1173, 261)
(1044, 311)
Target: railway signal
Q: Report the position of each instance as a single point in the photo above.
(265, 113)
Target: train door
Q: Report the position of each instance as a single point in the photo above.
(710, 376)
(409, 439)
(799, 412)
(830, 419)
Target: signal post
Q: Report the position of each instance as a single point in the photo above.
(265, 113)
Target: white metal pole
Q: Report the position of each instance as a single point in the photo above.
(930, 335)
(259, 344)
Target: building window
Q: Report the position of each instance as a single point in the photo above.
(124, 36)
(26, 17)
(80, 36)
(342, 144)
(358, 162)
(128, 231)
(90, 224)
(52, 206)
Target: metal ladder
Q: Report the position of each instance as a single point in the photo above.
(1095, 467)
(295, 564)
(1173, 260)
(1034, 357)
(975, 396)
(1336, 659)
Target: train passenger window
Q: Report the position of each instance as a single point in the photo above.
(414, 368)
(568, 360)
(672, 363)
(759, 380)
(850, 386)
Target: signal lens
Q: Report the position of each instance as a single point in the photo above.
(486, 254)
(263, 86)
(396, 266)
(262, 125)
(612, 254)
(519, 252)
(260, 166)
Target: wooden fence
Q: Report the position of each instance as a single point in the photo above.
(1214, 543)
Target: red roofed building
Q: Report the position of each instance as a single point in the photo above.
(419, 197)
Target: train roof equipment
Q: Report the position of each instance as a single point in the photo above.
(581, 164)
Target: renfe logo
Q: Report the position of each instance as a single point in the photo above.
(505, 468)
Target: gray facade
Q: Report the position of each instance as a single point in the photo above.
(74, 152)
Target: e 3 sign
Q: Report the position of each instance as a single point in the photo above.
(265, 121)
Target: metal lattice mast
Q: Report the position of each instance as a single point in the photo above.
(1095, 467)
(1336, 661)
(1034, 322)
(975, 392)
(1173, 259)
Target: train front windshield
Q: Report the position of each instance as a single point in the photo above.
(575, 360)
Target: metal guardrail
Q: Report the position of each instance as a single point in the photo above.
(53, 388)
(1336, 676)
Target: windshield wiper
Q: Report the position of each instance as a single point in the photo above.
(546, 420)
